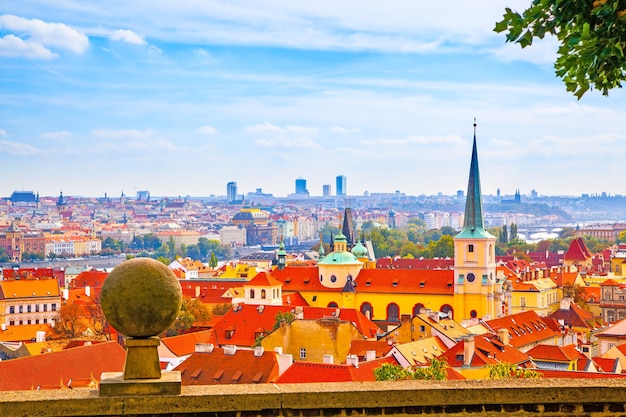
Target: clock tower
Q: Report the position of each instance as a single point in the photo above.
(475, 283)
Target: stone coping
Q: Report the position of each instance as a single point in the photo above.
(234, 398)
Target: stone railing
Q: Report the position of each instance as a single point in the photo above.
(547, 397)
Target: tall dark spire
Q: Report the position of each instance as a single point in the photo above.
(474, 223)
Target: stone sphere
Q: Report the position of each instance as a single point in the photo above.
(141, 297)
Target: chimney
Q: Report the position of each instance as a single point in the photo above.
(337, 312)
(66, 294)
(284, 362)
(40, 336)
(230, 350)
(565, 303)
(352, 360)
(88, 291)
(434, 315)
(370, 355)
(260, 308)
(468, 351)
(4, 326)
(197, 291)
(299, 313)
(278, 350)
(328, 359)
(258, 351)
(504, 336)
(204, 347)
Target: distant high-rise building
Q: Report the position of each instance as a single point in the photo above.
(341, 185)
(326, 190)
(231, 191)
(301, 186)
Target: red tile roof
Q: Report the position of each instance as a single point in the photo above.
(525, 328)
(219, 368)
(244, 324)
(406, 263)
(361, 347)
(81, 365)
(555, 353)
(606, 364)
(92, 278)
(302, 372)
(185, 344)
(210, 291)
(488, 350)
(405, 281)
(576, 316)
(263, 279)
(577, 251)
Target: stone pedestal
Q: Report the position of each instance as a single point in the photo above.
(114, 384)
(142, 358)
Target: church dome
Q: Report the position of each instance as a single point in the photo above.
(359, 250)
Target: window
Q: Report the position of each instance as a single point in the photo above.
(422, 328)
(12, 310)
(252, 293)
(45, 307)
(36, 321)
(333, 304)
(21, 308)
(36, 308)
(333, 278)
(263, 294)
(470, 248)
(416, 308)
(28, 308)
(45, 321)
(393, 312)
(522, 302)
(302, 353)
(28, 321)
(11, 322)
(53, 307)
(471, 277)
(367, 310)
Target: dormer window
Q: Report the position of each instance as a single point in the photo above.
(252, 293)
(470, 248)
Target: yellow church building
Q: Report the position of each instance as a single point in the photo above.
(470, 290)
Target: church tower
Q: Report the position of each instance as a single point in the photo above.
(474, 256)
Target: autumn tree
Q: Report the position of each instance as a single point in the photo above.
(191, 311)
(505, 370)
(591, 36)
(71, 322)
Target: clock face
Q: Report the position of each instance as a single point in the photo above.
(471, 277)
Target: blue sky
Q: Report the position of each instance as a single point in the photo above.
(180, 98)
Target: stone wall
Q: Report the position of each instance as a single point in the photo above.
(548, 397)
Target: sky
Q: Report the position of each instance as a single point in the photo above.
(179, 98)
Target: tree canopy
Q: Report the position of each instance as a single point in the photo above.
(591, 36)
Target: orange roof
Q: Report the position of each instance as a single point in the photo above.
(23, 333)
(488, 350)
(577, 251)
(405, 281)
(91, 278)
(185, 344)
(81, 366)
(219, 368)
(524, 328)
(29, 288)
(263, 279)
(361, 347)
(249, 320)
(555, 353)
(210, 290)
(302, 372)
(606, 364)
(610, 283)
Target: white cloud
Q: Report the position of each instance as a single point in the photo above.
(128, 36)
(264, 127)
(412, 140)
(37, 36)
(12, 46)
(3, 132)
(339, 129)
(18, 149)
(58, 136)
(207, 130)
(121, 134)
(285, 142)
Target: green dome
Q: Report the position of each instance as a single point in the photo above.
(338, 258)
(359, 250)
(340, 238)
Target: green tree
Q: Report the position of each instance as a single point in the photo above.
(504, 235)
(283, 317)
(193, 252)
(591, 36)
(442, 248)
(390, 372)
(221, 309)
(509, 371)
(213, 260)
